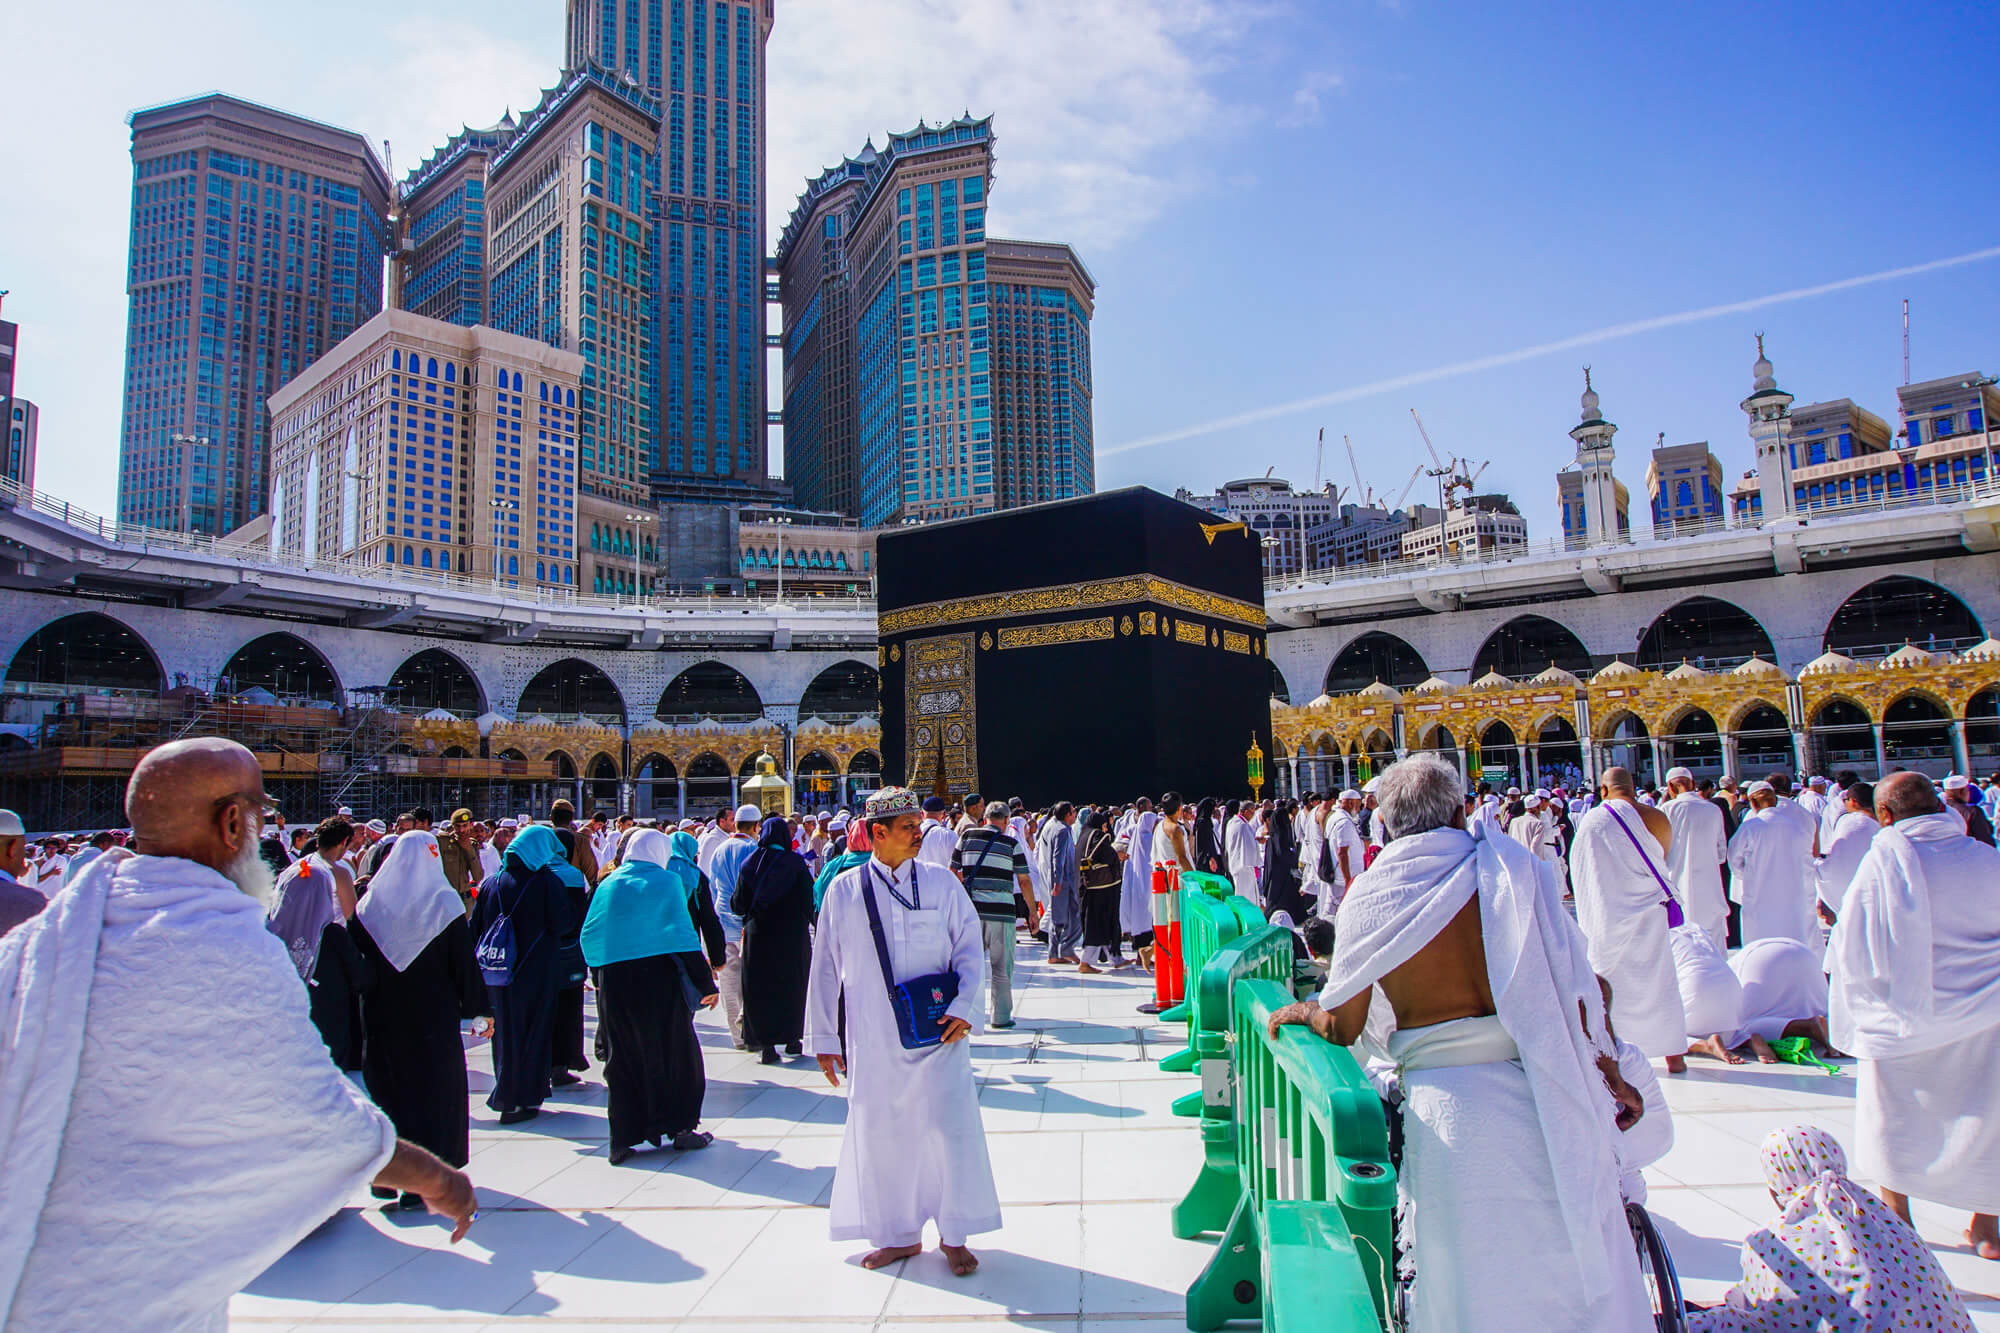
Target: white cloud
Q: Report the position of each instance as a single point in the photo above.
(1095, 102)
(1305, 107)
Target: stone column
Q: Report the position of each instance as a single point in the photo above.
(1589, 749)
(735, 795)
(1292, 762)
(1346, 770)
(1959, 753)
(1800, 750)
(1659, 752)
(1464, 765)
(1729, 758)
(1534, 766)
(681, 796)
(1881, 753)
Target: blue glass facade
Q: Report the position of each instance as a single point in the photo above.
(243, 270)
(704, 61)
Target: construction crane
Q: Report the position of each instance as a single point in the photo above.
(1452, 477)
(1361, 491)
(1407, 488)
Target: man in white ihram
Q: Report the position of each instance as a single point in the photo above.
(914, 1149)
(1771, 868)
(1512, 1096)
(1616, 866)
(1696, 854)
(1916, 996)
(169, 1122)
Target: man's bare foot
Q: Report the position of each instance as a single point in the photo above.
(1984, 1235)
(1765, 1055)
(963, 1262)
(1088, 969)
(1677, 1064)
(889, 1254)
(1713, 1048)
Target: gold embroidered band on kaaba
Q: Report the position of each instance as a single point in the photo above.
(1097, 629)
(1072, 597)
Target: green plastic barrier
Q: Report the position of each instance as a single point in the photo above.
(1310, 1243)
(1235, 917)
(1207, 923)
(1265, 953)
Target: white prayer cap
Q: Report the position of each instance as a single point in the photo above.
(1541, 793)
(1350, 795)
(345, 811)
(1513, 791)
(689, 825)
(10, 825)
(1533, 802)
(1680, 775)
(508, 823)
(1815, 781)
(1578, 805)
(1957, 782)
(749, 812)
(1368, 787)
(840, 821)
(1759, 786)
(376, 826)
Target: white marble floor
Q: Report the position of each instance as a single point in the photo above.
(1086, 1153)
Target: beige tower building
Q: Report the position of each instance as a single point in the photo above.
(425, 445)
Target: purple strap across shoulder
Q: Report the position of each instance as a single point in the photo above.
(1672, 904)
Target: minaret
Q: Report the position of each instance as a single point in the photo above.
(1593, 459)
(1769, 408)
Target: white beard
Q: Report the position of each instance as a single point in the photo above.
(247, 871)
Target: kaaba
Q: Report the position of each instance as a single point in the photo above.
(1096, 649)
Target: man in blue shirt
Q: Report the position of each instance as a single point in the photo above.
(725, 864)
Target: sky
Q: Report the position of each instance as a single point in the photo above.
(1300, 214)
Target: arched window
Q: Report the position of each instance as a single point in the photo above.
(545, 390)
(431, 368)
(514, 566)
(426, 560)
(569, 397)
(517, 381)
(1683, 495)
(409, 555)
(450, 373)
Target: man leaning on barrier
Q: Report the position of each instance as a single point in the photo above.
(1510, 1084)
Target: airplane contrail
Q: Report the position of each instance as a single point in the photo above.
(1499, 359)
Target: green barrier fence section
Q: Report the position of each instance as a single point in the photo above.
(1208, 921)
(1264, 953)
(1309, 1243)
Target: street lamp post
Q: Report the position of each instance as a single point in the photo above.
(637, 520)
(188, 442)
(781, 522)
(500, 508)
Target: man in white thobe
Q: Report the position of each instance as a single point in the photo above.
(1845, 847)
(1512, 1095)
(169, 1120)
(717, 833)
(1771, 870)
(1815, 802)
(914, 1151)
(1240, 850)
(939, 840)
(1621, 891)
(1311, 826)
(1532, 829)
(1696, 854)
(1345, 850)
(1916, 996)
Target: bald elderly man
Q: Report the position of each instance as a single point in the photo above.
(169, 1119)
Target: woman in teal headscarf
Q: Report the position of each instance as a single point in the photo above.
(527, 891)
(641, 940)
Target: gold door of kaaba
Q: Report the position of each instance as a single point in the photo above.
(941, 735)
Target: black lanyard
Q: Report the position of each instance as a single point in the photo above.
(889, 883)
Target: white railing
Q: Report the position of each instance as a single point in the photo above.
(133, 537)
(1936, 498)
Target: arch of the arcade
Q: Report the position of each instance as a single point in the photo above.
(1623, 708)
(1795, 614)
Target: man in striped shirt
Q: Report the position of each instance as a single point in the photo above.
(991, 862)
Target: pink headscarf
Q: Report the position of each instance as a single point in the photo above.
(1838, 1257)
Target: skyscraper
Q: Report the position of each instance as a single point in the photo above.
(703, 61)
(440, 266)
(19, 418)
(571, 263)
(929, 372)
(258, 239)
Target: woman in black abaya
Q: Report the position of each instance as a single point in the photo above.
(1281, 864)
(774, 898)
(643, 939)
(1100, 875)
(410, 927)
(528, 892)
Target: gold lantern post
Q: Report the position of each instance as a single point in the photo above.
(771, 793)
(1256, 763)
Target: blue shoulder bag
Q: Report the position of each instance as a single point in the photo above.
(920, 1003)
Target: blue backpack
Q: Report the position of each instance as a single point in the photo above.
(495, 952)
